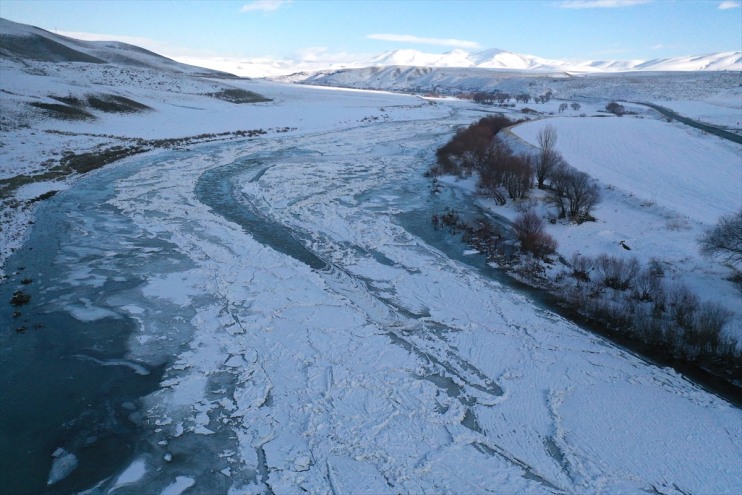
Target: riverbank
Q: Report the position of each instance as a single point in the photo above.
(497, 246)
(644, 312)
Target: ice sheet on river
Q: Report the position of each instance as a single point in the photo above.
(395, 369)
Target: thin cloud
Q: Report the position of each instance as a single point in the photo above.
(264, 5)
(729, 4)
(600, 4)
(408, 38)
(147, 43)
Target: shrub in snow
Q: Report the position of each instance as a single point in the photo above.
(705, 334)
(529, 230)
(647, 285)
(682, 305)
(616, 273)
(615, 108)
(581, 267)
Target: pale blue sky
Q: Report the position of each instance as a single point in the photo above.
(571, 30)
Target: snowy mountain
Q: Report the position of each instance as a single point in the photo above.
(502, 59)
(491, 59)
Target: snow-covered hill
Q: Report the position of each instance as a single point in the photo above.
(637, 86)
(23, 42)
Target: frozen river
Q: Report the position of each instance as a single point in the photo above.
(273, 316)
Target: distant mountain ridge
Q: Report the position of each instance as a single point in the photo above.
(490, 59)
(503, 59)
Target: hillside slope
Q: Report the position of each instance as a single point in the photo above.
(21, 42)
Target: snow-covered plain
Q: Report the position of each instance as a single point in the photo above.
(386, 368)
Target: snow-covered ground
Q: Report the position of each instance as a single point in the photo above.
(722, 112)
(390, 368)
(663, 185)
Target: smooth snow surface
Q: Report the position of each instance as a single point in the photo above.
(672, 166)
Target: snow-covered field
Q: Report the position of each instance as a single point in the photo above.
(336, 352)
(722, 112)
(663, 185)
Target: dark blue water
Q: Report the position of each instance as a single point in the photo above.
(216, 189)
(53, 390)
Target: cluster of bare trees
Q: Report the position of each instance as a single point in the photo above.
(573, 193)
(470, 148)
(544, 97)
(564, 106)
(638, 302)
(490, 97)
(504, 174)
(631, 300)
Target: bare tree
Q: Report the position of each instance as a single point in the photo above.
(491, 170)
(548, 157)
(582, 195)
(558, 178)
(517, 175)
(572, 192)
(725, 239)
